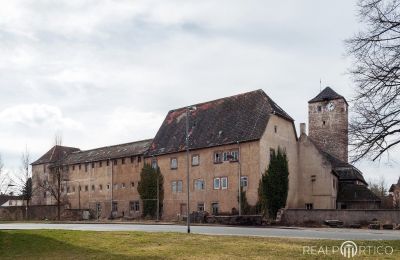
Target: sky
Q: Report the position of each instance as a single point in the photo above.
(103, 72)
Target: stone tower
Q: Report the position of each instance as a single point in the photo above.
(328, 123)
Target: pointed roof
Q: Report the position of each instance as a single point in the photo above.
(242, 118)
(325, 95)
(54, 153)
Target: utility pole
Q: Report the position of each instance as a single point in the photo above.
(239, 179)
(158, 197)
(187, 171)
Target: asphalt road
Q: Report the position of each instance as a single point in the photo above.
(306, 233)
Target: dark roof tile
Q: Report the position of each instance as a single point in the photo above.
(223, 121)
(353, 192)
(326, 94)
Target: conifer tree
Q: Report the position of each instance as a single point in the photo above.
(147, 189)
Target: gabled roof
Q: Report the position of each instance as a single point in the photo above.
(109, 152)
(349, 192)
(55, 152)
(223, 121)
(325, 95)
(4, 198)
(345, 171)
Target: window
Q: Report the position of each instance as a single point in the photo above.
(139, 159)
(134, 206)
(115, 162)
(132, 184)
(195, 160)
(319, 108)
(234, 155)
(174, 163)
(217, 183)
(67, 189)
(309, 206)
(93, 188)
(108, 186)
(199, 184)
(177, 186)
(323, 122)
(92, 165)
(73, 167)
(123, 160)
(214, 208)
(100, 164)
(271, 153)
(86, 167)
(115, 206)
(86, 188)
(224, 183)
(225, 156)
(132, 159)
(80, 188)
(100, 187)
(80, 166)
(108, 162)
(276, 129)
(73, 188)
(200, 206)
(154, 163)
(244, 181)
(123, 185)
(217, 157)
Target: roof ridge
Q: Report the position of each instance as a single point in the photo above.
(110, 146)
(218, 99)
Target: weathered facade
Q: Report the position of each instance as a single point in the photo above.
(230, 143)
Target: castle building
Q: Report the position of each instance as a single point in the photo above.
(230, 144)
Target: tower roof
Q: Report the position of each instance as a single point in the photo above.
(325, 95)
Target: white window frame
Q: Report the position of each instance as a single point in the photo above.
(226, 182)
(244, 179)
(194, 163)
(174, 163)
(217, 187)
(198, 186)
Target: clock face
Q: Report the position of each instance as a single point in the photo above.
(330, 106)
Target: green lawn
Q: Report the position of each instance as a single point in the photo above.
(61, 244)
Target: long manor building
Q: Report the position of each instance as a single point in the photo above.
(230, 144)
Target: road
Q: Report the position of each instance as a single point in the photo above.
(305, 233)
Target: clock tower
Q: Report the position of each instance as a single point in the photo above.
(328, 123)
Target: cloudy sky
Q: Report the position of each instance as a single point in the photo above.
(107, 72)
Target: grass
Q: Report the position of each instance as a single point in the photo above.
(63, 244)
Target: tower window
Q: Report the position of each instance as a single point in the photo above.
(319, 108)
(323, 122)
(276, 129)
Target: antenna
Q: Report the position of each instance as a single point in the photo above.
(320, 84)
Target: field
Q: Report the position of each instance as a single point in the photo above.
(61, 244)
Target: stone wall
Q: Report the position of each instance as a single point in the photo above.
(302, 217)
(329, 129)
(37, 212)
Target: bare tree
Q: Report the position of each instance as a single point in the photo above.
(24, 180)
(375, 127)
(57, 174)
(379, 188)
(4, 178)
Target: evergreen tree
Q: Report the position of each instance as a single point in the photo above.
(274, 184)
(147, 189)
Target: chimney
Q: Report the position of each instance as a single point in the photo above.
(302, 128)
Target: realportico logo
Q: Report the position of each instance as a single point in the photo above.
(348, 249)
